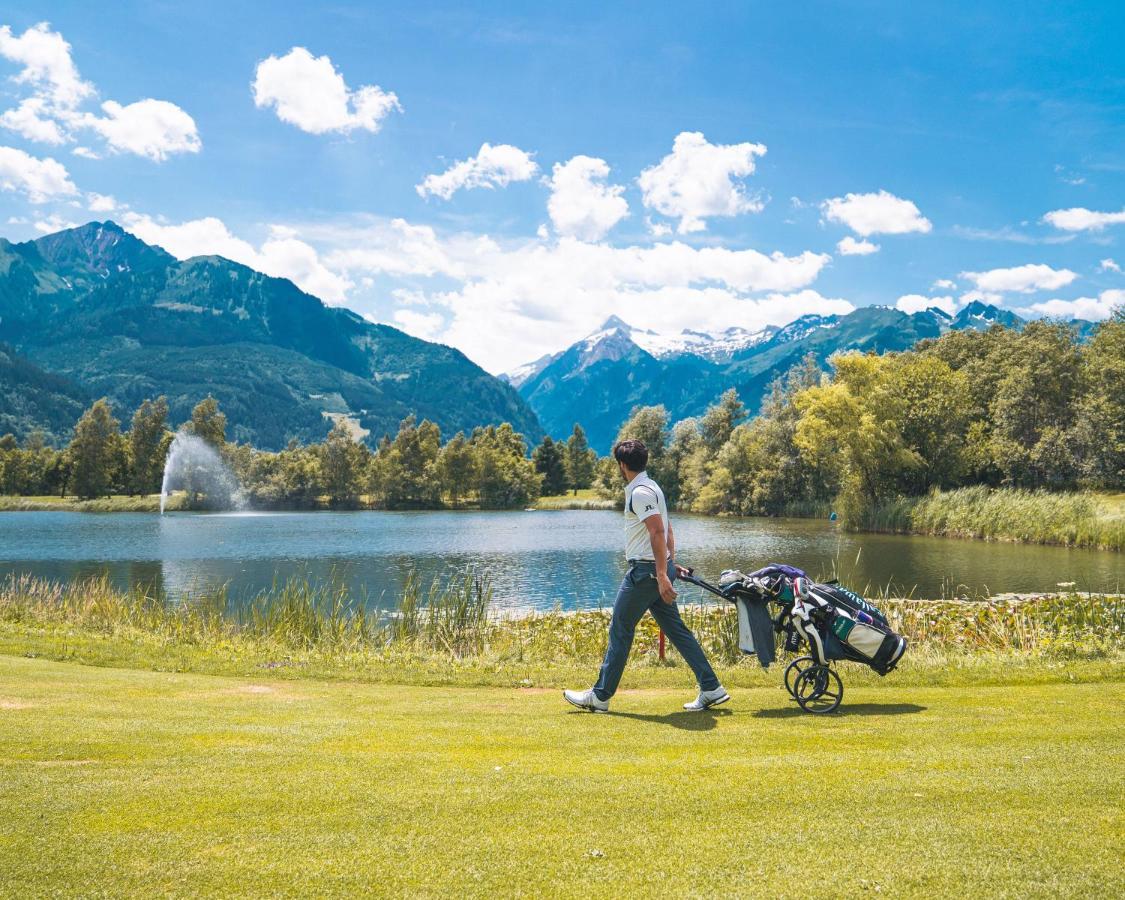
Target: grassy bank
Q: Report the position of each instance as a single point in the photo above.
(116, 503)
(583, 499)
(1005, 514)
(175, 785)
(446, 636)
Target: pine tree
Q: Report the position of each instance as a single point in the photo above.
(549, 463)
(580, 460)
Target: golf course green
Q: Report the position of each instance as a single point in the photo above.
(119, 782)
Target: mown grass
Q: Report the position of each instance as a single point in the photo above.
(1005, 514)
(125, 783)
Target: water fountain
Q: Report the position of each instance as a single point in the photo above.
(194, 466)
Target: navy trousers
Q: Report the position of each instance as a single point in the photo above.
(637, 595)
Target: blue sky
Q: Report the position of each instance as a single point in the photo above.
(945, 135)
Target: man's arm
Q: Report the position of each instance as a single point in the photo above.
(671, 542)
(655, 526)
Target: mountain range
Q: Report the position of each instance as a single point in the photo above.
(598, 380)
(94, 311)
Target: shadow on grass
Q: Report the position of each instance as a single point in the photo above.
(688, 721)
(856, 709)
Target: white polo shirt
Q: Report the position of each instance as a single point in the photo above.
(643, 498)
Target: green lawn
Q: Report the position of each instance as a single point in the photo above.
(117, 782)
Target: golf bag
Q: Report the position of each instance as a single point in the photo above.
(837, 624)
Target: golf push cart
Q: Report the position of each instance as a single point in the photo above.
(837, 624)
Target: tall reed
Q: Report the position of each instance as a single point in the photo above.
(1002, 514)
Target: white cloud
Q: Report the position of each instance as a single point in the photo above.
(1025, 279)
(881, 213)
(282, 255)
(582, 205)
(989, 297)
(1108, 265)
(657, 229)
(1091, 308)
(47, 65)
(53, 223)
(310, 93)
(849, 246)
(426, 326)
(505, 303)
(32, 120)
(698, 180)
(912, 303)
(100, 203)
(149, 128)
(39, 179)
(493, 166)
(944, 284)
(1078, 218)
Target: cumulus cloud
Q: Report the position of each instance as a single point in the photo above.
(879, 213)
(912, 303)
(1078, 218)
(52, 114)
(1093, 309)
(1108, 265)
(507, 302)
(53, 223)
(426, 326)
(581, 204)
(282, 255)
(149, 128)
(98, 203)
(492, 167)
(698, 180)
(849, 246)
(1024, 279)
(32, 120)
(309, 92)
(989, 297)
(39, 180)
(47, 66)
(944, 284)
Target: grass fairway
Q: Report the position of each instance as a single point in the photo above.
(118, 782)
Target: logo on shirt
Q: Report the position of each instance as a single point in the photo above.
(650, 506)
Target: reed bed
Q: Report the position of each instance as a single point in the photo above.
(454, 621)
(1004, 514)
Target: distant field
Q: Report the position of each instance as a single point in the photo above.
(174, 785)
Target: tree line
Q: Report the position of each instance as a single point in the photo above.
(489, 467)
(1034, 408)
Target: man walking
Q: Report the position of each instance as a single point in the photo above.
(649, 548)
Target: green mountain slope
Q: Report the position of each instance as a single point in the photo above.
(127, 320)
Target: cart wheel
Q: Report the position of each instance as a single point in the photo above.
(794, 669)
(819, 690)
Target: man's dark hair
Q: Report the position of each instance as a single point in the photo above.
(633, 453)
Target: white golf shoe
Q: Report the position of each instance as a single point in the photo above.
(707, 699)
(586, 700)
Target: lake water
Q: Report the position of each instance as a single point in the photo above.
(535, 559)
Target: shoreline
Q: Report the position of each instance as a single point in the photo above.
(150, 503)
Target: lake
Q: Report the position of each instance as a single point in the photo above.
(570, 558)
